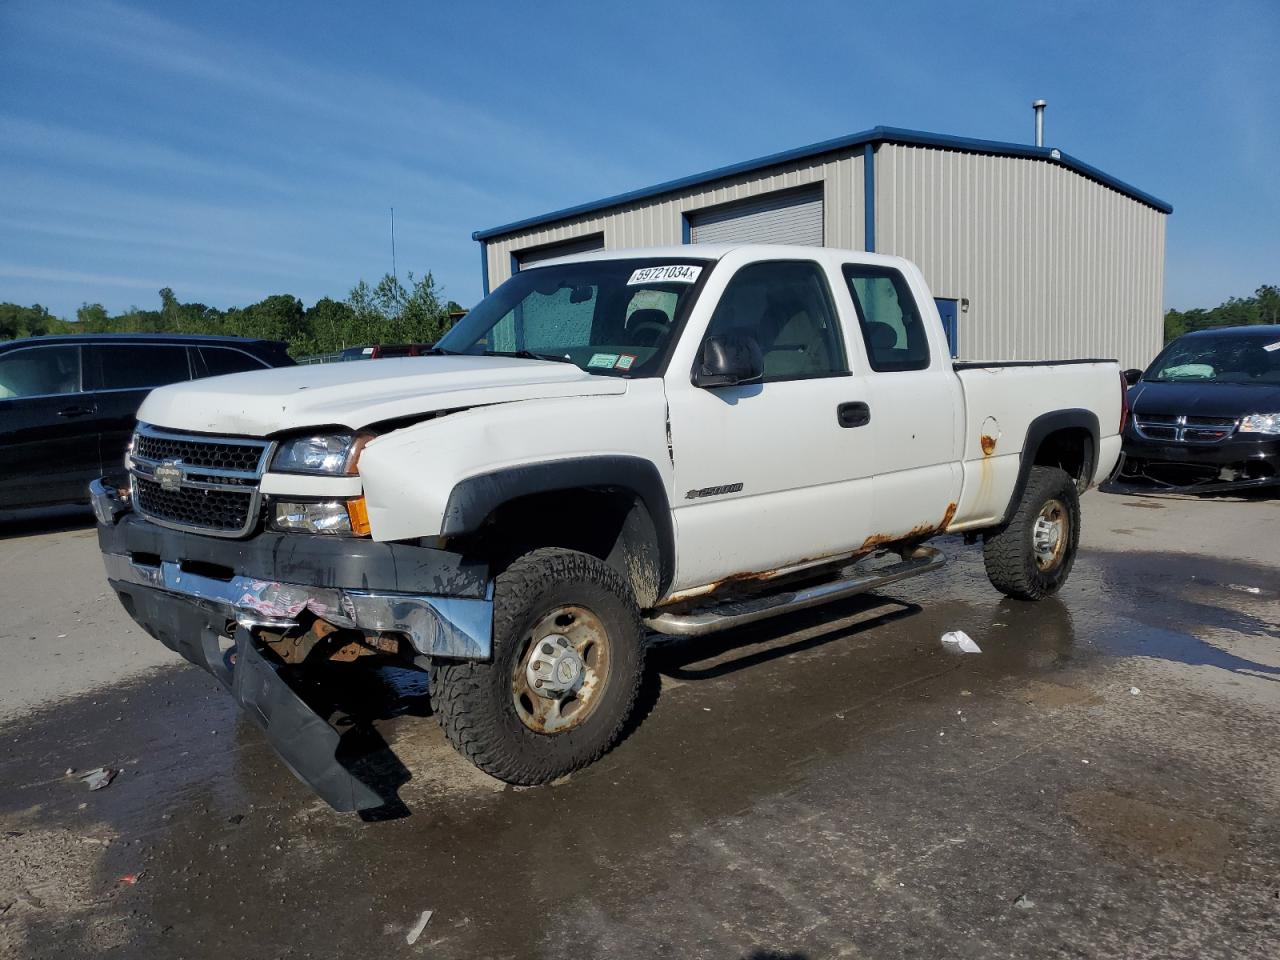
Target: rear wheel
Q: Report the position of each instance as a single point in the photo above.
(566, 668)
(1032, 555)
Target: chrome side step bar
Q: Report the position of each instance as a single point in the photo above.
(729, 614)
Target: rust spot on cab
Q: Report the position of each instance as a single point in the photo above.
(988, 445)
(947, 517)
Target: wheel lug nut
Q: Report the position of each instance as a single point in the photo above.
(562, 641)
(548, 649)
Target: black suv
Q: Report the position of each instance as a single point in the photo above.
(68, 404)
(1206, 413)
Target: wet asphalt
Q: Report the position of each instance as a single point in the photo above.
(1101, 781)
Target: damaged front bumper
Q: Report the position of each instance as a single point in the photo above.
(1166, 466)
(441, 602)
(204, 597)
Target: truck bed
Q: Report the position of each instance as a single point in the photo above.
(1004, 400)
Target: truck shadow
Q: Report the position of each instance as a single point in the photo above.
(753, 644)
(699, 659)
(370, 695)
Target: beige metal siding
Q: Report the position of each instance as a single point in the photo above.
(657, 221)
(1054, 265)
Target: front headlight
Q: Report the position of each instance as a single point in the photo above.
(329, 454)
(1261, 423)
(341, 517)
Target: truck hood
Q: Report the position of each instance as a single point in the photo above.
(1201, 399)
(357, 394)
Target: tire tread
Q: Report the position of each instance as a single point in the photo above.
(469, 713)
(1007, 553)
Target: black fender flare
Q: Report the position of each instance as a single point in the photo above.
(472, 500)
(1037, 430)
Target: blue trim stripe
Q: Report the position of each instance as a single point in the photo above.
(869, 198)
(686, 229)
(876, 135)
(484, 267)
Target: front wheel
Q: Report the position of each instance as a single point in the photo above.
(1030, 557)
(566, 669)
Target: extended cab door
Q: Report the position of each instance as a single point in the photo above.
(48, 443)
(917, 405)
(773, 473)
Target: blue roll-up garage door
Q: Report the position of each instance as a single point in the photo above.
(793, 216)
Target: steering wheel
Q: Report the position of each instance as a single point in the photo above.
(659, 331)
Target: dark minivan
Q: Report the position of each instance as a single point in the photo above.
(68, 403)
(1205, 416)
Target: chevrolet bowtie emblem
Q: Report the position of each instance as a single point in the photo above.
(170, 475)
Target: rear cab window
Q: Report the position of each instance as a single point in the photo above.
(892, 327)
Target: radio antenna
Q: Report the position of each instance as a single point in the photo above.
(394, 276)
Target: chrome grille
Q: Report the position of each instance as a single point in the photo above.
(202, 484)
(1184, 429)
(219, 511)
(213, 453)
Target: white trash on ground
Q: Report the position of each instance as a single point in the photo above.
(960, 641)
(418, 927)
(99, 777)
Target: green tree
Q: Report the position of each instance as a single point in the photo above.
(388, 312)
(92, 317)
(33, 321)
(329, 324)
(1262, 307)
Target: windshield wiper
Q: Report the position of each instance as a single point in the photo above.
(527, 355)
(441, 352)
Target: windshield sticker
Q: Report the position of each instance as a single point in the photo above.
(675, 273)
(625, 361)
(602, 360)
(1271, 347)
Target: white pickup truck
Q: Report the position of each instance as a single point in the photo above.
(681, 440)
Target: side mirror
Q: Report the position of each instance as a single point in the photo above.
(1131, 377)
(728, 360)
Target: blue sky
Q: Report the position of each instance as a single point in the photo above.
(233, 150)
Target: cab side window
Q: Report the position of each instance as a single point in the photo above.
(785, 305)
(892, 327)
(40, 372)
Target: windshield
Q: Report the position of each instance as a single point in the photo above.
(613, 317)
(1219, 358)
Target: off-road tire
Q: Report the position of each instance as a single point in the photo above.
(473, 700)
(1009, 553)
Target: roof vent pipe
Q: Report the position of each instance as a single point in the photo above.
(1038, 106)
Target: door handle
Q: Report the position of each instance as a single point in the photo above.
(75, 411)
(853, 414)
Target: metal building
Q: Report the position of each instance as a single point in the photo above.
(1032, 253)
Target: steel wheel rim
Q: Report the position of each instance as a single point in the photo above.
(584, 638)
(1049, 534)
